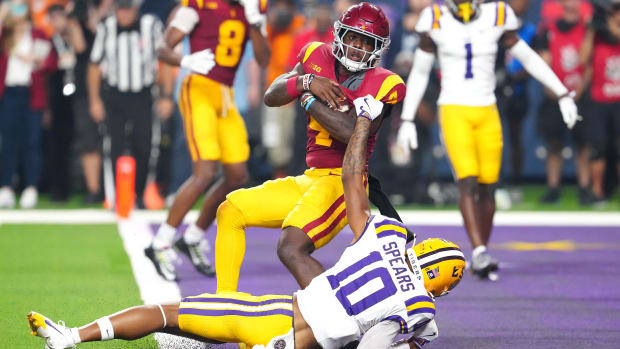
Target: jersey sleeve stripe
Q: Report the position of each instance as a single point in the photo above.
(500, 13)
(403, 324)
(200, 3)
(311, 49)
(436, 16)
(389, 230)
(414, 300)
(420, 305)
(388, 84)
(389, 222)
(418, 311)
(222, 312)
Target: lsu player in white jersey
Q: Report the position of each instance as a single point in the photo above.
(464, 35)
(377, 290)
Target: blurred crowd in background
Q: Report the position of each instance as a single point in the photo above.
(52, 139)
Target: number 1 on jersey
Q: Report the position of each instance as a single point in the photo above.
(468, 73)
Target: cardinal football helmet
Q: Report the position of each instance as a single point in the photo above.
(442, 264)
(368, 20)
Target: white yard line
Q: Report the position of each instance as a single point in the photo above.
(415, 217)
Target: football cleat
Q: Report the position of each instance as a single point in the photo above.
(163, 259)
(484, 266)
(7, 197)
(56, 336)
(197, 254)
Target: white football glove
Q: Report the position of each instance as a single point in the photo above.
(368, 107)
(253, 12)
(407, 136)
(199, 62)
(569, 110)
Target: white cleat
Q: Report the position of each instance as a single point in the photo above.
(56, 336)
(7, 197)
(29, 198)
(163, 260)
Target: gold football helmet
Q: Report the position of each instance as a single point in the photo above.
(442, 264)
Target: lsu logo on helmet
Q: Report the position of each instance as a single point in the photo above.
(442, 264)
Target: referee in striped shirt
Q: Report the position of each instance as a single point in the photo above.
(121, 76)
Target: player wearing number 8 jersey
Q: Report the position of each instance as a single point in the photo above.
(465, 35)
(377, 289)
(217, 31)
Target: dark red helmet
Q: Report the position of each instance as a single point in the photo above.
(365, 19)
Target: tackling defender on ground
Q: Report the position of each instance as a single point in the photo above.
(333, 311)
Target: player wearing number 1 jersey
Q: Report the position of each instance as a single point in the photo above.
(377, 289)
(217, 31)
(465, 35)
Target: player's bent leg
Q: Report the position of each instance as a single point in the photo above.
(229, 246)
(128, 324)
(294, 249)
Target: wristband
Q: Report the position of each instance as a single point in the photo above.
(306, 100)
(364, 114)
(291, 87)
(307, 81)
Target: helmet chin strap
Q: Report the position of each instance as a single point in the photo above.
(465, 11)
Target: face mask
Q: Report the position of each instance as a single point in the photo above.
(465, 11)
(19, 10)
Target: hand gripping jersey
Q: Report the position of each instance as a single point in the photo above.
(223, 28)
(369, 284)
(467, 51)
(322, 151)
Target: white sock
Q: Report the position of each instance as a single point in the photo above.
(164, 237)
(478, 250)
(105, 326)
(75, 334)
(193, 234)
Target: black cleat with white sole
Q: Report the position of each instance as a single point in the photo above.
(197, 256)
(163, 261)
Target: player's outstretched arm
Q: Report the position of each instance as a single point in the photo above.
(354, 164)
(537, 67)
(182, 21)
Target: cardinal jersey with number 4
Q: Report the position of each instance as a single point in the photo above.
(323, 151)
(370, 283)
(467, 51)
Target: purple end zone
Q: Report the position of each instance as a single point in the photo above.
(564, 294)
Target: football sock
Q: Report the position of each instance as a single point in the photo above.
(75, 334)
(193, 234)
(164, 236)
(105, 326)
(478, 250)
(229, 246)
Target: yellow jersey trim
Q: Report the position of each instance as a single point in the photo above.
(436, 16)
(501, 14)
(388, 84)
(311, 49)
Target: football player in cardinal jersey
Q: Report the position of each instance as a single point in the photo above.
(310, 208)
(336, 308)
(465, 35)
(218, 31)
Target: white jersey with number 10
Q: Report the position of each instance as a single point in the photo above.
(467, 51)
(370, 283)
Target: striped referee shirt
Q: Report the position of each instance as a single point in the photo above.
(128, 56)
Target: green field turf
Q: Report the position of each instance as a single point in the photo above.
(75, 273)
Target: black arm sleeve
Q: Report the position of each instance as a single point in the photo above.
(380, 199)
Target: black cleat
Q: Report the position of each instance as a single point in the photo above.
(197, 255)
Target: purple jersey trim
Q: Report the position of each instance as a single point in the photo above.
(365, 229)
(421, 310)
(414, 300)
(403, 324)
(389, 222)
(390, 233)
